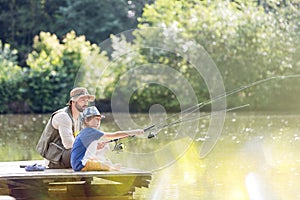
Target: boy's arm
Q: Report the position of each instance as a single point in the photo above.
(119, 134)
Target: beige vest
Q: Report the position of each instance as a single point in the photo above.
(50, 144)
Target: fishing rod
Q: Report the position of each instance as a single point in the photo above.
(163, 124)
(198, 106)
(151, 135)
(120, 146)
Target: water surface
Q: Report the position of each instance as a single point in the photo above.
(256, 157)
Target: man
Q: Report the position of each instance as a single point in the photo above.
(59, 134)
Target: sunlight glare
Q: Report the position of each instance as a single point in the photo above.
(253, 187)
(259, 188)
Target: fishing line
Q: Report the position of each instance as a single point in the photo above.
(204, 115)
(155, 128)
(196, 107)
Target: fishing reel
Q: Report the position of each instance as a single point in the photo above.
(119, 147)
(152, 135)
(153, 132)
(154, 129)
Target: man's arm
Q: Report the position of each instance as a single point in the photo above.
(63, 123)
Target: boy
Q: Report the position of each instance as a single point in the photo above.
(83, 155)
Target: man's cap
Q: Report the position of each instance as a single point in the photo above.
(91, 111)
(78, 92)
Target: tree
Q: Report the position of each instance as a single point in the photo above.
(247, 41)
(54, 67)
(20, 21)
(98, 19)
(11, 80)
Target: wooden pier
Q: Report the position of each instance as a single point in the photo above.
(66, 184)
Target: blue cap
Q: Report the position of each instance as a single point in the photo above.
(90, 111)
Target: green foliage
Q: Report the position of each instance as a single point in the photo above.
(246, 42)
(53, 69)
(137, 65)
(98, 19)
(11, 78)
(21, 20)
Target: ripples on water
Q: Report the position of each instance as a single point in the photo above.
(256, 157)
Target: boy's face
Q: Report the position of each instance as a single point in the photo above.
(93, 122)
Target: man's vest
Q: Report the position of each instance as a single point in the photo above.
(50, 144)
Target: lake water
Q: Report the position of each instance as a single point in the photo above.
(256, 157)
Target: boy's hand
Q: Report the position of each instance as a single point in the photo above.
(136, 132)
(101, 145)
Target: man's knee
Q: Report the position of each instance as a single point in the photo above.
(64, 162)
(66, 158)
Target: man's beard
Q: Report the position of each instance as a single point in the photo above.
(79, 108)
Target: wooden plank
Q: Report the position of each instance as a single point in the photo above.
(12, 170)
(66, 183)
(99, 190)
(6, 197)
(137, 181)
(63, 197)
(4, 189)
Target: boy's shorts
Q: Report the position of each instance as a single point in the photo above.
(94, 165)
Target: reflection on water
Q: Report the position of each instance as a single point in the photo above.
(256, 157)
(19, 134)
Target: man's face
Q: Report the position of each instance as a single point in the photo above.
(82, 103)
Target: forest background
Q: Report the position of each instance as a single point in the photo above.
(44, 44)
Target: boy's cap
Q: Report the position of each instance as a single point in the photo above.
(91, 111)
